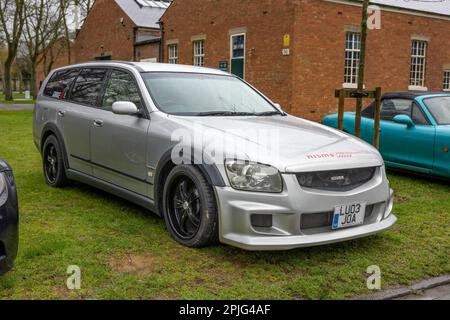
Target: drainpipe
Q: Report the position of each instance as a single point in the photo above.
(161, 42)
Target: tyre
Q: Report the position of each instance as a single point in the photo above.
(189, 208)
(53, 163)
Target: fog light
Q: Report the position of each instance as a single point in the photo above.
(390, 205)
(261, 220)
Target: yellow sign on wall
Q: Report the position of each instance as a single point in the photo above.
(287, 40)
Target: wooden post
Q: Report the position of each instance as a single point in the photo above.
(361, 67)
(341, 109)
(376, 130)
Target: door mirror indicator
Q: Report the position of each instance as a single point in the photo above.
(404, 119)
(125, 108)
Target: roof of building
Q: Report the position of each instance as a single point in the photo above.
(144, 13)
(431, 6)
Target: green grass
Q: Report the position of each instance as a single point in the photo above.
(125, 252)
(16, 95)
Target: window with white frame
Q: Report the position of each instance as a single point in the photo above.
(199, 53)
(418, 63)
(173, 53)
(447, 80)
(352, 57)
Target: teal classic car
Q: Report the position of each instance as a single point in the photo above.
(414, 131)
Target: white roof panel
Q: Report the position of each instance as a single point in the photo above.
(144, 13)
(431, 6)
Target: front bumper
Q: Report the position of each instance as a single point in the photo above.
(9, 220)
(290, 209)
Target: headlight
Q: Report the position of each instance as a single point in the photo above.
(2, 183)
(3, 190)
(249, 176)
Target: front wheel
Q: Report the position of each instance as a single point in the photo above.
(189, 208)
(53, 163)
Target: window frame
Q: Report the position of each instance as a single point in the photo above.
(353, 51)
(95, 105)
(446, 80)
(143, 110)
(69, 91)
(198, 56)
(413, 103)
(416, 77)
(169, 57)
(244, 57)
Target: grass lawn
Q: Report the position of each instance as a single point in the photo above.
(125, 252)
(16, 95)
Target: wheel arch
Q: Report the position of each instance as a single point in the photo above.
(165, 165)
(51, 129)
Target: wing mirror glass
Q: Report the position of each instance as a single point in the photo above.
(125, 108)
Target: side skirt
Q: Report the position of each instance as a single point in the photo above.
(142, 201)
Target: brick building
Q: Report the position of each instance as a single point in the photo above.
(299, 51)
(115, 30)
(121, 30)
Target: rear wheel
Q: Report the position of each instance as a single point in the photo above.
(190, 209)
(53, 163)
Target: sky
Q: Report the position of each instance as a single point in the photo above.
(435, 6)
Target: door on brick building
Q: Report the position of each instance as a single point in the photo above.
(238, 55)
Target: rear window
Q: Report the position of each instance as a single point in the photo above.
(60, 83)
(88, 87)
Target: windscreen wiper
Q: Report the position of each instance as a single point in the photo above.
(268, 113)
(224, 114)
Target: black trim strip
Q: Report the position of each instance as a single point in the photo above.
(110, 169)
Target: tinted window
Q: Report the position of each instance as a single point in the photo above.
(418, 116)
(394, 107)
(59, 84)
(369, 112)
(121, 87)
(440, 109)
(88, 87)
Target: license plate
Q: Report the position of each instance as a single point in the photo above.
(349, 215)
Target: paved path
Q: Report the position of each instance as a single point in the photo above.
(438, 293)
(430, 289)
(16, 107)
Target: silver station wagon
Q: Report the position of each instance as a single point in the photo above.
(210, 154)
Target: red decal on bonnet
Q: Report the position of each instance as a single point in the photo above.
(328, 155)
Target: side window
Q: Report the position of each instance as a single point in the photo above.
(418, 116)
(88, 87)
(59, 84)
(369, 112)
(121, 87)
(393, 107)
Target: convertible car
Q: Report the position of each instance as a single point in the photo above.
(9, 218)
(414, 131)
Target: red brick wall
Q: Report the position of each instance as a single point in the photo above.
(146, 51)
(304, 82)
(266, 22)
(103, 28)
(319, 53)
(61, 58)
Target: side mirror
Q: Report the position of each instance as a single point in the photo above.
(125, 108)
(404, 119)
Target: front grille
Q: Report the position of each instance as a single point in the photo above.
(324, 219)
(336, 180)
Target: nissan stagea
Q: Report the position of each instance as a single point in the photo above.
(209, 153)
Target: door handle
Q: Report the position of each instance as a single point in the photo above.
(61, 113)
(98, 123)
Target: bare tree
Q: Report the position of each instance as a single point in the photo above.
(362, 65)
(11, 21)
(42, 27)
